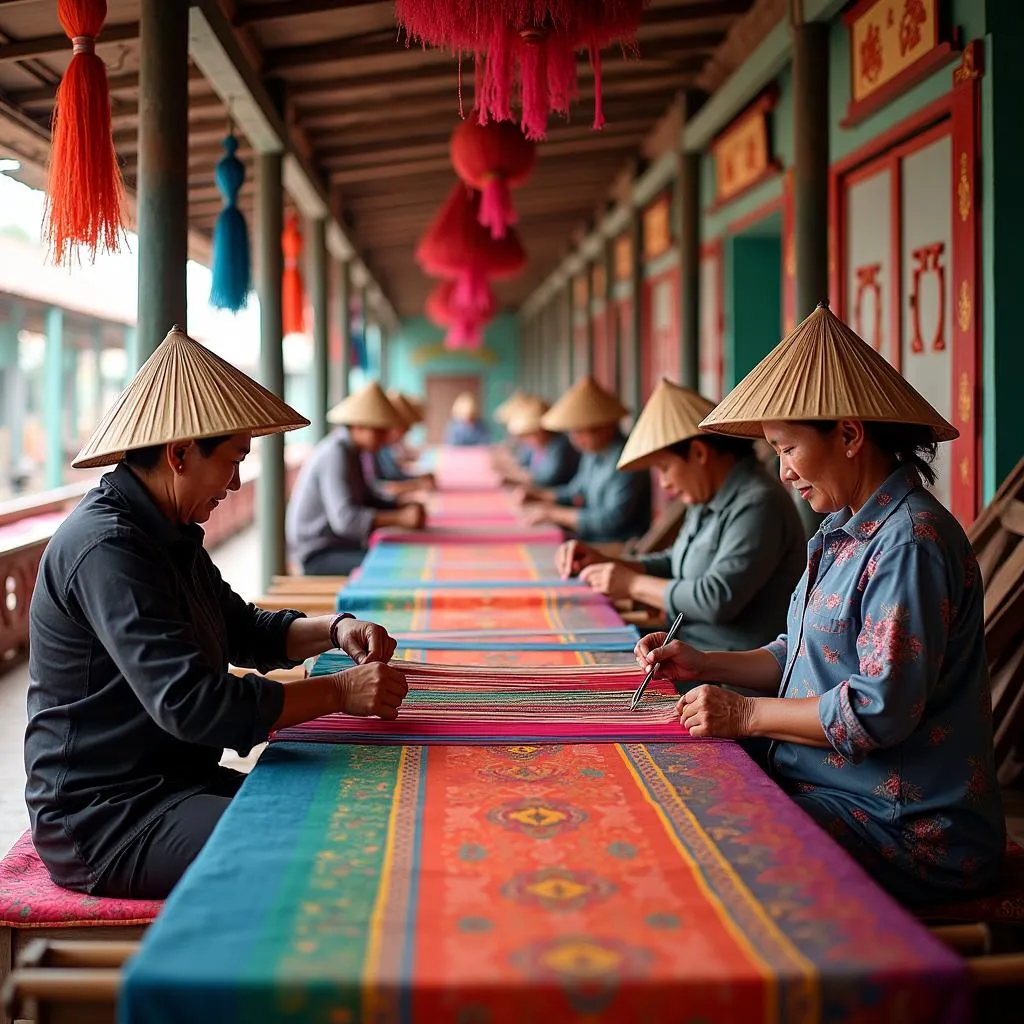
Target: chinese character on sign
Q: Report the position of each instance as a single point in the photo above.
(914, 16)
(871, 54)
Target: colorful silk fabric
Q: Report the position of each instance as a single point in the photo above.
(584, 882)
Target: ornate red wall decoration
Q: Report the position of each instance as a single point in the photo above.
(929, 260)
(867, 282)
(743, 152)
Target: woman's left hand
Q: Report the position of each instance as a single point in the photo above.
(612, 579)
(535, 514)
(365, 642)
(713, 711)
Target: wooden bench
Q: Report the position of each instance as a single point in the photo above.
(33, 907)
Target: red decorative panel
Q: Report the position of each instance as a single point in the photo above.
(789, 310)
(869, 328)
(928, 260)
(966, 281)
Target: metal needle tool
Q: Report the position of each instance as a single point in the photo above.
(639, 691)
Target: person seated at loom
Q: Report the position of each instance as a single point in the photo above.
(741, 547)
(466, 428)
(599, 504)
(510, 456)
(552, 461)
(333, 508)
(876, 696)
(132, 629)
(390, 476)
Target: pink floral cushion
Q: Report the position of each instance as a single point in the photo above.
(1006, 903)
(30, 899)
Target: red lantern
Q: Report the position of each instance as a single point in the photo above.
(456, 243)
(293, 319)
(443, 308)
(527, 46)
(493, 158)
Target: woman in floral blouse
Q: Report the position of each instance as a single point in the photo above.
(880, 712)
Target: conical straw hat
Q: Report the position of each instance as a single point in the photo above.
(823, 371)
(586, 404)
(507, 409)
(672, 414)
(403, 408)
(526, 419)
(184, 392)
(368, 407)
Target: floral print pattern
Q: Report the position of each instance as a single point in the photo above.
(886, 628)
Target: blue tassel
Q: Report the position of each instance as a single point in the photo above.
(231, 268)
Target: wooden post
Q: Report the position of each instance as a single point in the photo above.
(611, 314)
(344, 314)
(635, 399)
(162, 207)
(316, 271)
(270, 489)
(688, 235)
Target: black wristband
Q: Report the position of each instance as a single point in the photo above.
(333, 631)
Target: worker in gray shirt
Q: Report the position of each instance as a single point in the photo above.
(599, 504)
(552, 459)
(741, 548)
(333, 508)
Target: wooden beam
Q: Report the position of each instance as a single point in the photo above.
(49, 46)
(379, 43)
(116, 84)
(353, 90)
(393, 170)
(696, 10)
(281, 9)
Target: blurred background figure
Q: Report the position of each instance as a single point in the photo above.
(550, 460)
(466, 428)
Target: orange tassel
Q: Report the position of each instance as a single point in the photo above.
(85, 194)
(293, 319)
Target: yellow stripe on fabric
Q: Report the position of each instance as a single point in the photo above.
(371, 966)
(812, 1001)
(524, 554)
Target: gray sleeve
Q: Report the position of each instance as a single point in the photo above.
(568, 493)
(747, 555)
(658, 563)
(150, 636)
(346, 519)
(620, 502)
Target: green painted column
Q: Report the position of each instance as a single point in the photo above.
(270, 486)
(316, 249)
(567, 316)
(71, 367)
(162, 201)
(133, 358)
(53, 397)
(13, 395)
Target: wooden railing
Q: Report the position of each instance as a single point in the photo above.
(28, 523)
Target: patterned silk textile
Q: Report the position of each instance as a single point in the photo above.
(579, 883)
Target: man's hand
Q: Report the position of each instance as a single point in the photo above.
(365, 641)
(372, 689)
(612, 579)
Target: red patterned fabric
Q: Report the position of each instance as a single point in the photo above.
(30, 899)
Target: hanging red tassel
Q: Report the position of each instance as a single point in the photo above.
(85, 191)
(293, 319)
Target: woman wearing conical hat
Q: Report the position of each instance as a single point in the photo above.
(466, 428)
(551, 459)
(132, 629)
(334, 506)
(389, 474)
(876, 697)
(741, 547)
(599, 504)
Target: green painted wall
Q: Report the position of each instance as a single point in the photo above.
(1003, 312)
(753, 302)
(416, 351)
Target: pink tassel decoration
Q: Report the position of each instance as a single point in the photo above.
(496, 209)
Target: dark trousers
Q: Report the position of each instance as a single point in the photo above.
(153, 863)
(333, 562)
